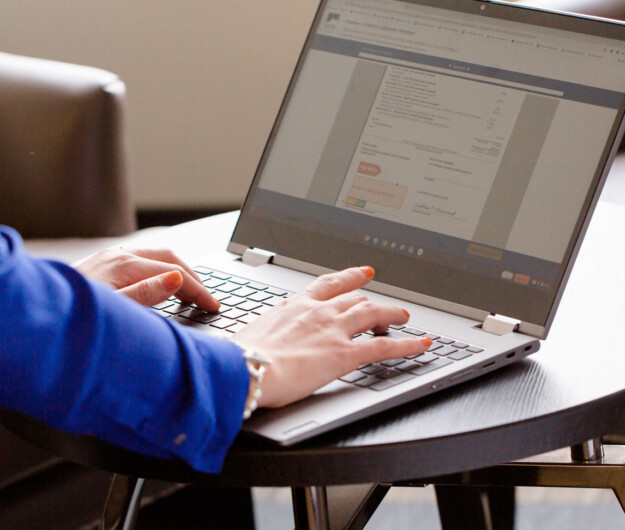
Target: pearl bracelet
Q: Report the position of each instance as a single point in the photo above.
(256, 367)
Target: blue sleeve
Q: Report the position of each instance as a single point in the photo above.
(84, 359)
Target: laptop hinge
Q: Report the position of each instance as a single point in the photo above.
(500, 325)
(257, 256)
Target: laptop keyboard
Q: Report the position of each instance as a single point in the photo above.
(386, 374)
(243, 301)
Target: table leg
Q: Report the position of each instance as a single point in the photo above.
(122, 504)
(564, 468)
(346, 507)
(588, 451)
(310, 508)
(475, 507)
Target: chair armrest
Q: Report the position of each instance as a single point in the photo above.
(62, 150)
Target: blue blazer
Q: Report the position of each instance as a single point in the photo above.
(84, 359)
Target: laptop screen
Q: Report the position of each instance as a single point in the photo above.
(456, 150)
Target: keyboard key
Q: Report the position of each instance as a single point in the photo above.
(388, 383)
(262, 309)
(248, 318)
(232, 301)
(186, 313)
(272, 301)
(240, 281)
(206, 318)
(259, 297)
(245, 292)
(352, 377)
(276, 292)
(459, 345)
(176, 308)
(430, 367)
(222, 323)
(445, 340)
(460, 354)
(475, 349)
(435, 346)
(213, 283)
(389, 373)
(445, 350)
(397, 327)
(368, 381)
(426, 358)
(228, 287)
(234, 314)
(191, 313)
(220, 296)
(249, 306)
(220, 275)
(257, 286)
(238, 326)
(202, 270)
(163, 305)
(413, 331)
(392, 362)
(433, 336)
(393, 334)
(372, 369)
(406, 366)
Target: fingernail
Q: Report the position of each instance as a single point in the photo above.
(172, 281)
(426, 341)
(369, 271)
(406, 313)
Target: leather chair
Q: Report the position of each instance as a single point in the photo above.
(62, 162)
(62, 174)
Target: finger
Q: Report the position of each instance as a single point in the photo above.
(367, 316)
(165, 256)
(154, 290)
(382, 348)
(195, 291)
(192, 289)
(344, 302)
(330, 285)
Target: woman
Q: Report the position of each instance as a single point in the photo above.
(80, 357)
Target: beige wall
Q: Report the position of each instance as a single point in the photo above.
(205, 79)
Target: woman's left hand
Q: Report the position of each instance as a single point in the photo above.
(148, 276)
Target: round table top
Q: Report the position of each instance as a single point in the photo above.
(573, 389)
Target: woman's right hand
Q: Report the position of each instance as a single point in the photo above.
(308, 337)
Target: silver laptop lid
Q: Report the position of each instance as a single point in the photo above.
(457, 148)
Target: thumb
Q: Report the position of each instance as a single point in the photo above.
(154, 290)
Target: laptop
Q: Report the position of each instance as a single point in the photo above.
(459, 148)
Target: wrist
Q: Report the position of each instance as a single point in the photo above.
(256, 367)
